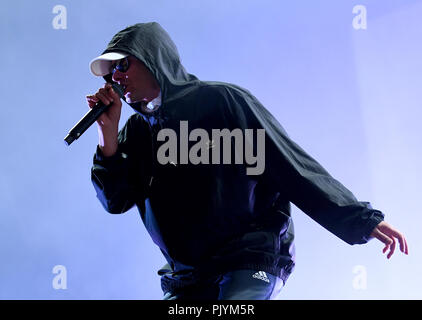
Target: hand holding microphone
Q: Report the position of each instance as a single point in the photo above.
(110, 117)
(105, 107)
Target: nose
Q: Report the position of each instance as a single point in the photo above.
(117, 76)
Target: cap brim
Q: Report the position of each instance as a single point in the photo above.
(100, 66)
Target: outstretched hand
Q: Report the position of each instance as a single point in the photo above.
(388, 235)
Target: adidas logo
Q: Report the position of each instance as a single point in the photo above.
(261, 275)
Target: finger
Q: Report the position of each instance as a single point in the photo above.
(91, 97)
(402, 240)
(394, 233)
(92, 101)
(383, 238)
(107, 85)
(385, 248)
(403, 244)
(105, 99)
(91, 104)
(392, 248)
(406, 246)
(113, 93)
(105, 91)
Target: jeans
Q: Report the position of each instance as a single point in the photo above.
(233, 285)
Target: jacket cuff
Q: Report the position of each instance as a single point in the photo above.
(375, 218)
(108, 161)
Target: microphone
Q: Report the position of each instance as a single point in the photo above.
(90, 117)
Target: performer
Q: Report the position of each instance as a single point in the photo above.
(225, 233)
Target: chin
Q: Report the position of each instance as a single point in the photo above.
(130, 99)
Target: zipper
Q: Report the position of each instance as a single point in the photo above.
(152, 154)
(157, 118)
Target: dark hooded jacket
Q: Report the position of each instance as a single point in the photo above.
(210, 218)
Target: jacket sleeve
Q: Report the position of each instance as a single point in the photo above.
(296, 174)
(119, 180)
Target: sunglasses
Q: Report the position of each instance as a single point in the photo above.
(123, 65)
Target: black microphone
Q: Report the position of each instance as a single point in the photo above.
(90, 117)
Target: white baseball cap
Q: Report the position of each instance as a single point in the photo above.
(100, 66)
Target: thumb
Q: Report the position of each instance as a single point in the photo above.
(113, 93)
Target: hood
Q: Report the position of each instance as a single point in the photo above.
(152, 45)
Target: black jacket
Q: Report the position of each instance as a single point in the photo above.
(207, 218)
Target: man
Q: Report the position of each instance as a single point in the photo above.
(225, 232)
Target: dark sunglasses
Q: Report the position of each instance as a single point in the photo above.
(123, 65)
